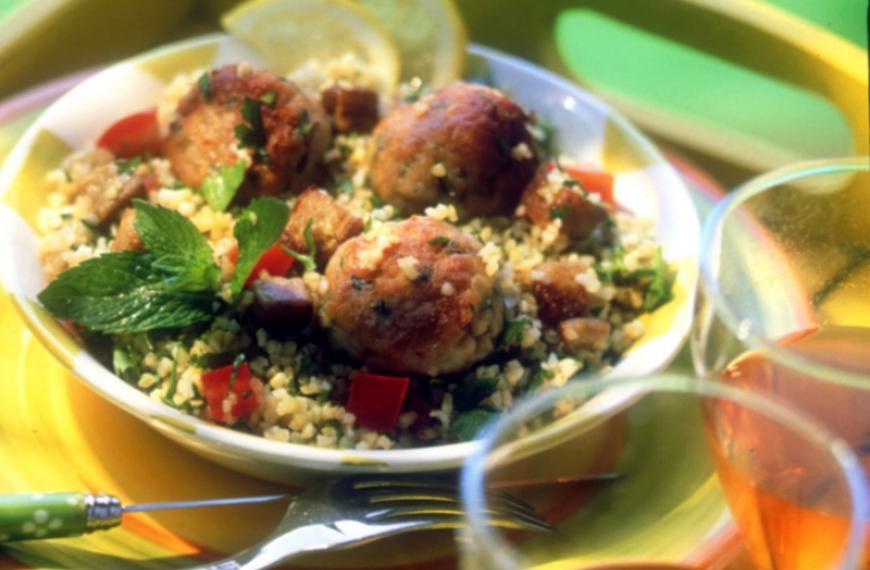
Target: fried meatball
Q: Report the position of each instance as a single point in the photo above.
(205, 136)
(413, 297)
(465, 144)
(545, 200)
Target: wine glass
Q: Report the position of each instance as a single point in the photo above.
(641, 474)
(785, 310)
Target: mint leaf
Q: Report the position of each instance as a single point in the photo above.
(467, 425)
(171, 286)
(178, 248)
(124, 293)
(559, 212)
(166, 232)
(220, 187)
(257, 229)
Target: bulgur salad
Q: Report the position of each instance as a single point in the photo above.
(311, 260)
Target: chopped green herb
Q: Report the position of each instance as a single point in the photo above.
(95, 229)
(173, 385)
(204, 84)
(538, 378)
(442, 241)
(237, 363)
(468, 424)
(128, 165)
(220, 187)
(571, 183)
(345, 187)
(252, 113)
(305, 126)
(514, 331)
(251, 133)
(309, 260)
(661, 288)
(211, 360)
(269, 98)
(125, 363)
(258, 228)
(471, 392)
(559, 212)
(66, 216)
(376, 201)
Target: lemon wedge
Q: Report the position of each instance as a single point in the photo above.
(430, 36)
(291, 33)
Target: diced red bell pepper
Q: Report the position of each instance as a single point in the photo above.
(274, 261)
(591, 179)
(594, 181)
(377, 400)
(134, 135)
(219, 383)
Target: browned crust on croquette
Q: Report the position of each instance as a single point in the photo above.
(203, 138)
(406, 324)
(470, 131)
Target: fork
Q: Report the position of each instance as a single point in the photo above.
(352, 511)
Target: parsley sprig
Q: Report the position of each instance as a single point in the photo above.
(251, 133)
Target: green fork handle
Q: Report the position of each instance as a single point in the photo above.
(26, 516)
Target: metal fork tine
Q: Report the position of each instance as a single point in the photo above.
(402, 483)
(496, 517)
(383, 496)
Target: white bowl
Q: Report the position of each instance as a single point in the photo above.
(586, 129)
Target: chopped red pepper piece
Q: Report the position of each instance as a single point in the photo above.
(591, 179)
(219, 383)
(274, 261)
(134, 135)
(377, 400)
